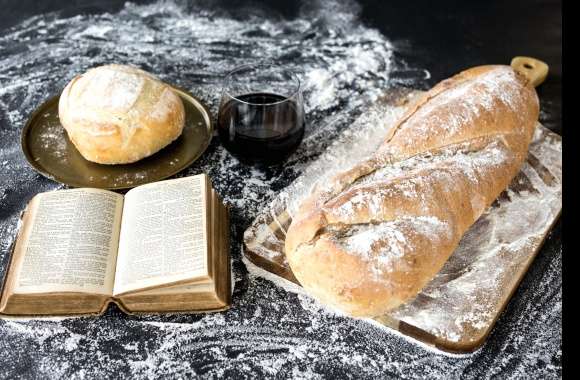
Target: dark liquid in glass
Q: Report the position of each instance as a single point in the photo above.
(261, 127)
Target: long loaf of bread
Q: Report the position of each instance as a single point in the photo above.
(375, 234)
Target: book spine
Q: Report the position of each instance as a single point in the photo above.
(10, 256)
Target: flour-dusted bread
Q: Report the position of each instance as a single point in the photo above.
(374, 235)
(118, 114)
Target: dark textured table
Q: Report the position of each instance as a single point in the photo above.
(347, 54)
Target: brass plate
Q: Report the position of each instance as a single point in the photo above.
(48, 149)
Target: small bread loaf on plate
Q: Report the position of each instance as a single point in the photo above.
(118, 114)
(373, 236)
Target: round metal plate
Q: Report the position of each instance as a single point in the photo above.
(48, 149)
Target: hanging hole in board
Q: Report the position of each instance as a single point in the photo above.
(528, 66)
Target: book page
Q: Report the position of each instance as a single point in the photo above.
(163, 234)
(71, 243)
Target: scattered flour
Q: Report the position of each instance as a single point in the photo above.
(269, 332)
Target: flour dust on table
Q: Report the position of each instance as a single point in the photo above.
(344, 65)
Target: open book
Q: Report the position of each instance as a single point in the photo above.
(162, 247)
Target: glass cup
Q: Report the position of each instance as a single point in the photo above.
(261, 116)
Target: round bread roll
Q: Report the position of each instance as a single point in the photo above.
(118, 114)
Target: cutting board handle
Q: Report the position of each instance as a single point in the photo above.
(535, 70)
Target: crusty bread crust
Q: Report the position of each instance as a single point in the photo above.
(374, 235)
(117, 114)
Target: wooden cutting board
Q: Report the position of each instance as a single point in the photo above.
(458, 308)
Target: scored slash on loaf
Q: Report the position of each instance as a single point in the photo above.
(118, 114)
(375, 234)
